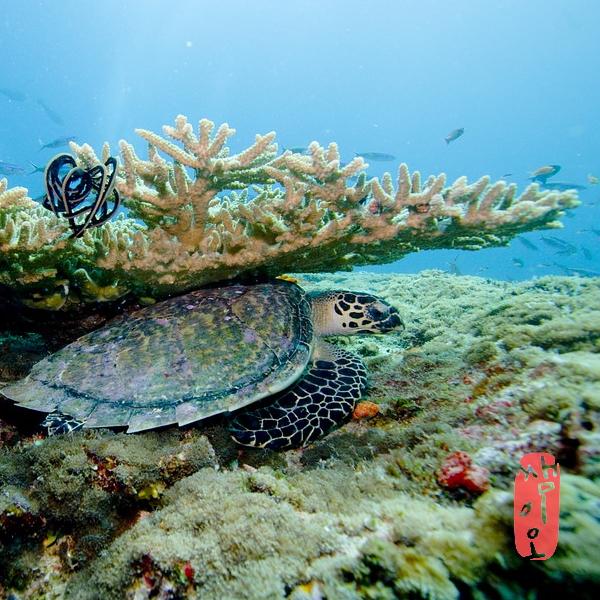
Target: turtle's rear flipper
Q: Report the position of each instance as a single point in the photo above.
(58, 423)
(320, 400)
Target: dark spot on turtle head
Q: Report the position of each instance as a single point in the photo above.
(344, 306)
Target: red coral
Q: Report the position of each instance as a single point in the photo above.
(458, 471)
(105, 478)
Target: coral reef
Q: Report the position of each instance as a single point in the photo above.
(458, 471)
(201, 216)
(486, 371)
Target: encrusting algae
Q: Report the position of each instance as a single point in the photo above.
(490, 370)
(201, 216)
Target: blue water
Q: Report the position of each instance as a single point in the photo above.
(392, 76)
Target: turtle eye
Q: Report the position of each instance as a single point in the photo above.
(385, 317)
(376, 314)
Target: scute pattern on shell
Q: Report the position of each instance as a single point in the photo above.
(189, 357)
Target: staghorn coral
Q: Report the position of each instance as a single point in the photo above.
(206, 216)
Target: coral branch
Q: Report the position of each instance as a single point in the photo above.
(196, 215)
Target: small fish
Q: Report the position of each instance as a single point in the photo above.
(518, 262)
(592, 179)
(577, 271)
(563, 186)
(36, 169)
(587, 253)
(54, 117)
(376, 156)
(58, 142)
(527, 243)
(8, 169)
(569, 250)
(507, 175)
(454, 135)
(555, 242)
(14, 95)
(454, 270)
(542, 174)
(297, 150)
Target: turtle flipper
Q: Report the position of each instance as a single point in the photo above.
(58, 423)
(319, 401)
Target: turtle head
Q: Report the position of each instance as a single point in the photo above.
(346, 313)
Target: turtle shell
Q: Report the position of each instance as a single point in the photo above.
(178, 361)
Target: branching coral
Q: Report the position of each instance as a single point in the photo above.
(205, 216)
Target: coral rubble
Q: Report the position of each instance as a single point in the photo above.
(196, 215)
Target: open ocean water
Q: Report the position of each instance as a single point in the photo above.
(393, 76)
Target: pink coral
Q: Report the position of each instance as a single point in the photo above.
(458, 471)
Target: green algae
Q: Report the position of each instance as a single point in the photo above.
(486, 367)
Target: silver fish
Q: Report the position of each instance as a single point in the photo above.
(54, 117)
(8, 169)
(576, 271)
(376, 156)
(527, 243)
(14, 95)
(562, 186)
(454, 135)
(587, 253)
(454, 270)
(36, 168)
(555, 242)
(58, 142)
(297, 150)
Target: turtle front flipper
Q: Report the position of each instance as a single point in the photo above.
(319, 401)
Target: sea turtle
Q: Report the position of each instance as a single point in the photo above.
(215, 351)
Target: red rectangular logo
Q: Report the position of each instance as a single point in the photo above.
(537, 504)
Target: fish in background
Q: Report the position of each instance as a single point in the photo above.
(454, 135)
(8, 169)
(14, 95)
(36, 168)
(560, 246)
(376, 156)
(587, 253)
(53, 116)
(543, 173)
(58, 142)
(592, 179)
(577, 271)
(454, 270)
(296, 150)
(527, 243)
(563, 186)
